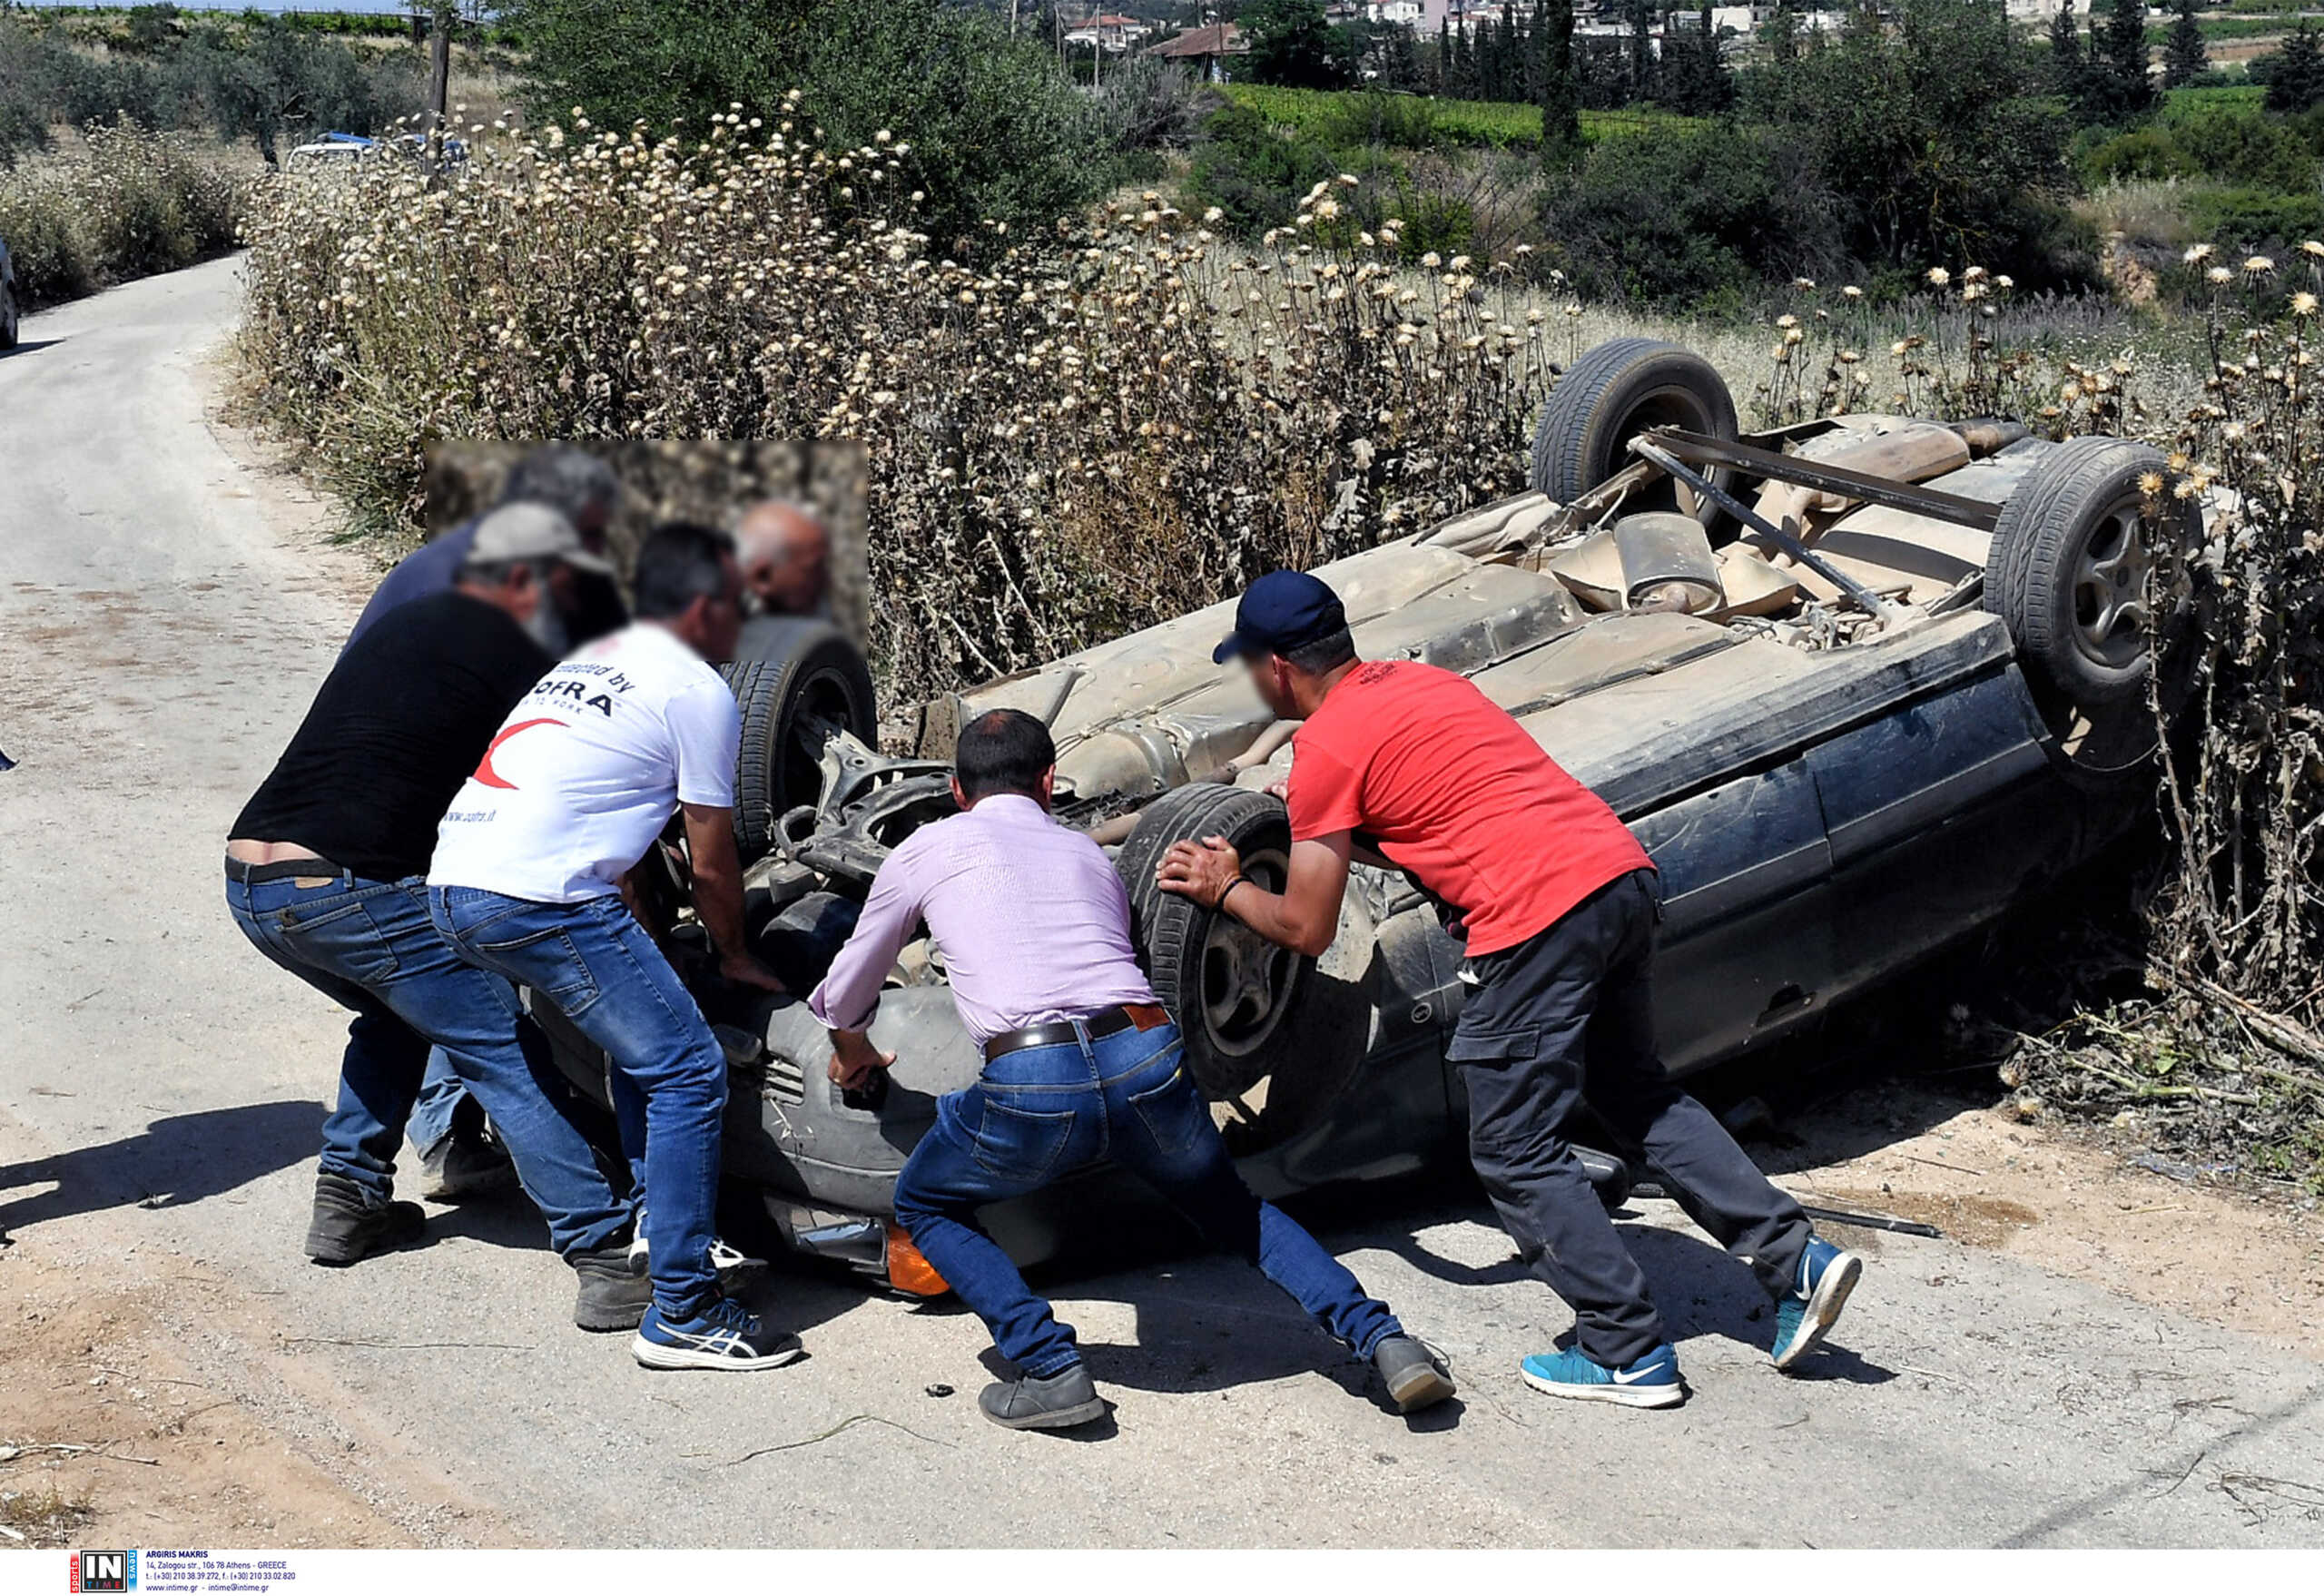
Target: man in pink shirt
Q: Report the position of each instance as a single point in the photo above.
(1081, 1066)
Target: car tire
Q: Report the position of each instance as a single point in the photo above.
(2068, 575)
(793, 677)
(8, 319)
(1237, 999)
(1610, 395)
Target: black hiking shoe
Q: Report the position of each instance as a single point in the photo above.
(466, 1163)
(1058, 1403)
(1415, 1377)
(346, 1227)
(610, 1296)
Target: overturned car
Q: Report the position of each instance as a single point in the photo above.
(1858, 685)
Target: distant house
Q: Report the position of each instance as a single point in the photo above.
(1108, 32)
(1209, 51)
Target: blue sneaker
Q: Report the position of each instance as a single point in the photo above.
(1806, 1314)
(723, 1336)
(1651, 1382)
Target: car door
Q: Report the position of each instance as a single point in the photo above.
(1747, 947)
(1939, 813)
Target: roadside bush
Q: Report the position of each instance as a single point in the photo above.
(998, 133)
(1699, 214)
(129, 203)
(255, 77)
(1095, 424)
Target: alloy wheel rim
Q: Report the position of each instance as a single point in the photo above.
(1247, 981)
(2109, 591)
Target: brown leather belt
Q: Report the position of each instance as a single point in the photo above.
(251, 874)
(1104, 1023)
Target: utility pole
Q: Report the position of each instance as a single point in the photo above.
(439, 87)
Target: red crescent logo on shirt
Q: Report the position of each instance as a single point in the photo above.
(484, 771)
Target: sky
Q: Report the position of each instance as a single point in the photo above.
(372, 5)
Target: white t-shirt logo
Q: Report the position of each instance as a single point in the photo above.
(644, 725)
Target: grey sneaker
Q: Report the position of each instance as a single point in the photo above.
(610, 1297)
(1058, 1403)
(1416, 1377)
(347, 1227)
(465, 1165)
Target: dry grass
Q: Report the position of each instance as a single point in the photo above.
(118, 202)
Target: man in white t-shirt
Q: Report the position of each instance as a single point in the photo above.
(572, 791)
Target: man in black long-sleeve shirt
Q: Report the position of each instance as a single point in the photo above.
(326, 871)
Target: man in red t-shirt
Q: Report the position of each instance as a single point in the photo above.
(1557, 905)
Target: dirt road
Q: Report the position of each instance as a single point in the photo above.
(164, 614)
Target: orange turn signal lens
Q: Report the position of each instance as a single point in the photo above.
(909, 1272)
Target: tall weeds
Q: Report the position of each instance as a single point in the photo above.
(1070, 434)
(130, 202)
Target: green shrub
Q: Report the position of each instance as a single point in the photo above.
(1252, 170)
(1698, 214)
(2146, 155)
(2230, 140)
(1927, 119)
(2246, 217)
(1405, 122)
(1418, 121)
(997, 132)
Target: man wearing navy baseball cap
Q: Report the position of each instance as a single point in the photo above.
(1558, 906)
(1279, 613)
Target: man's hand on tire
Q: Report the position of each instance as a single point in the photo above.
(1202, 871)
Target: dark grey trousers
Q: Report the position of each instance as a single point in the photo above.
(1565, 1018)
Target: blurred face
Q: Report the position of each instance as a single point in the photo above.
(591, 524)
(564, 587)
(721, 618)
(1272, 677)
(786, 560)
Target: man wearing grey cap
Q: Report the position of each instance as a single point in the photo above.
(457, 1159)
(326, 875)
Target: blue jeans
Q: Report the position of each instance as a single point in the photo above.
(595, 963)
(1043, 1112)
(370, 945)
(441, 1092)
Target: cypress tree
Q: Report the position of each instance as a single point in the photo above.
(2126, 59)
(2066, 70)
(1560, 88)
(1641, 49)
(2298, 78)
(1780, 33)
(2184, 58)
